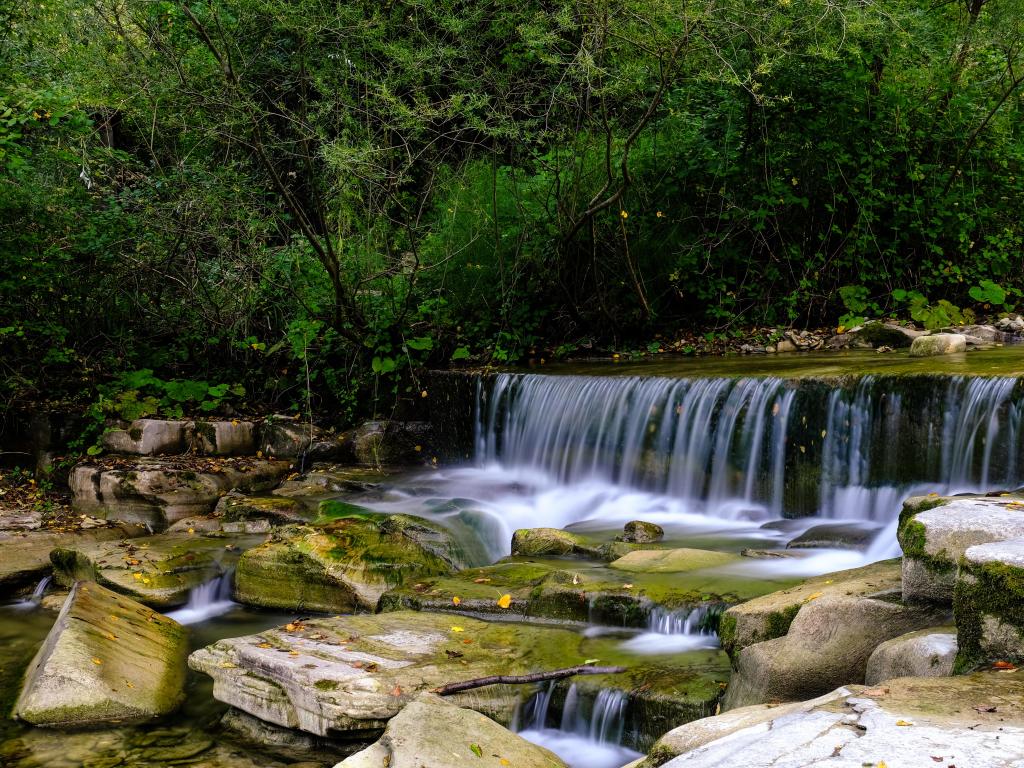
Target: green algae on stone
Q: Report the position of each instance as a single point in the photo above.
(988, 602)
(671, 560)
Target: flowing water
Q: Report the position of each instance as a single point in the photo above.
(676, 632)
(207, 600)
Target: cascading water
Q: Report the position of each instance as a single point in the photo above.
(676, 632)
(212, 598)
(587, 737)
(737, 449)
(33, 600)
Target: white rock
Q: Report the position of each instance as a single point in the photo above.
(938, 344)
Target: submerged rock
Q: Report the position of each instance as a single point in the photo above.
(107, 659)
(431, 731)
(975, 721)
(989, 604)
(159, 570)
(925, 653)
(935, 532)
(344, 565)
(159, 492)
(938, 344)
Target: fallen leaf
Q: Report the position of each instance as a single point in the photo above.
(480, 581)
(453, 654)
(475, 749)
(903, 722)
(876, 691)
(985, 709)
(627, 586)
(504, 761)
(263, 645)
(456, 629)
(1003, 665)
(456, 600)
(936, 759)
(815, 596)
(505, 601)
(96, 661)
(396, 691)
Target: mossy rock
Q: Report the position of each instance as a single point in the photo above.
(345, 564)
(235, 507)
(672, 560)
(547, 542)
(551, 589)
(989, 605)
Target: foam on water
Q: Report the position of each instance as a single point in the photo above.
(206, 601)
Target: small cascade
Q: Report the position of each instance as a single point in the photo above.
(33, 600)
(677, 631)
(588, 736)
(210, 599)
(750, 448)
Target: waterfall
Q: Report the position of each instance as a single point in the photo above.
(212, 598)
(755, 448)
(33, 600)
(588, 737)
(677, 631)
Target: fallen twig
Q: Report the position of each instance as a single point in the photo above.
(536, 677)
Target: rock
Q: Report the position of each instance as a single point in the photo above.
(25, 556)
(671, 560)
(285, 437)
(827, 643)
(989, 604)
(538, 542)
(107, 659)
(346, 676)
(159, 570)
(237, 507)
(984, 334)
(764, 554)
(935, 532)
(938, 344)
(284, 743)
(158, 492)
(834, 536)
(377, 443)
(785, 345)
(431, 731)
(345, 565)
(975, 721)
(331, 480)
(147, 437)
(1013, 324)
(639, 532)
(874, 334)
(222, 438)
(925, 653)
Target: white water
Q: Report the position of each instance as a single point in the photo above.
(582, 741)
(210, 599)
(33, 600)
(674, 632)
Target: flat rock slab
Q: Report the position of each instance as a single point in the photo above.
(975, 721)
(25, 556)
(107, 659)
(432, 731)
(159, 492)
(935, 533)
(671, 560)
(346, 676)
(157, 570)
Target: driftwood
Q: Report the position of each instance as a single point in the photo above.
(536, 677)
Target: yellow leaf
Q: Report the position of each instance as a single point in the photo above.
(137, 576)
(457, 629)
(456, 600)
(505, 601)
(815, 596)
(881, 764)
(96, 661)
(903, 722)
(191, 530)
(504, 761)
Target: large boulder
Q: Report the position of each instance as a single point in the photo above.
(159, 492)
(25, 555)
(159, 570)
(431, 731)
(147, 437)
(798, 644)
(343, 565)
(641, 532)
(975, 721)
(346, 676)
(936, 344)
(925, 653)
(935, 532)
(106, 660)
(287, 437)
(989, 604)
(378, 443)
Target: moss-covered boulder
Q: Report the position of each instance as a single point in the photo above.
(325, 481)
(975, 720)
(935, 532)
(107, 660)
(345, 564)
(552, 589)
(348, 675)
(237, 507)
(672, 560)
(925, 653)
(542, 542)
(935, 344)
(989, 604)
(432, 731)
(158, 570)
(159, 492)
(832, 632)
(641, 532)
